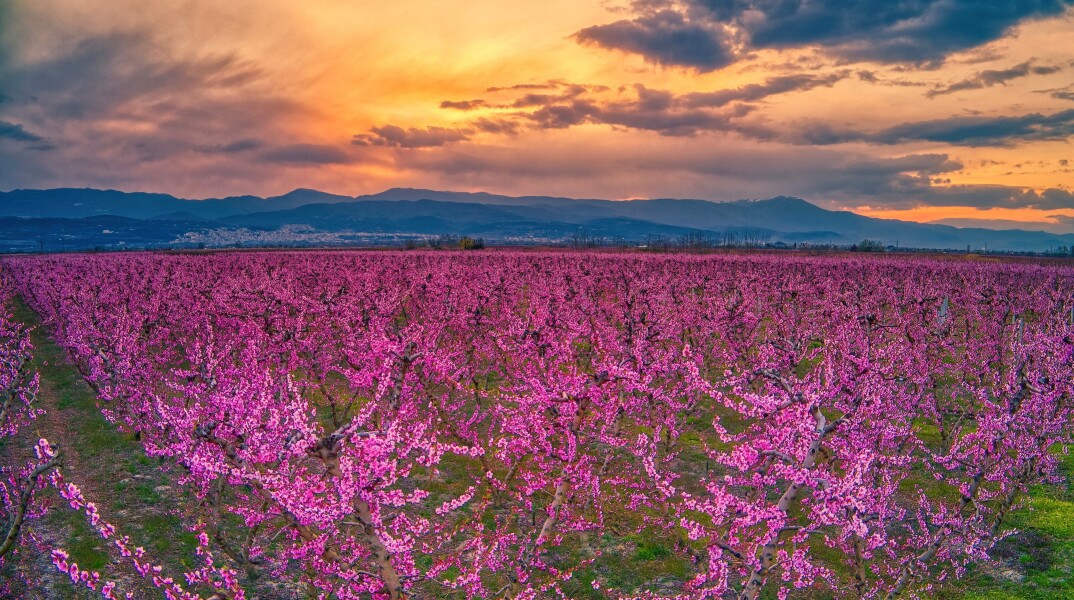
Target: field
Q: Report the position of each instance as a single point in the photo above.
(536, 425)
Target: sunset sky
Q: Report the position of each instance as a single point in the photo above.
(919, 109)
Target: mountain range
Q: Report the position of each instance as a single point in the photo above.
(75, 219)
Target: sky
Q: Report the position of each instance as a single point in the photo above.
(957, 111)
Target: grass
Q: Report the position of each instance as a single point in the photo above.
(1044, 547)
(633, 564)
(1053, 517)
(84, 546)
(649, 551)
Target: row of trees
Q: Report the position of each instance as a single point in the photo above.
(735, 237)
(21, 475)
(29, 470)
(1061, 251)
(446, 242)
(867, 245)
(420, 424)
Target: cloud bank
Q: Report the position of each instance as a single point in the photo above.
(711, 34)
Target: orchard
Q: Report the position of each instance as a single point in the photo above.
(458, 425)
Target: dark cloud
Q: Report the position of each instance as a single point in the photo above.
(14, 131)
(7, 44)
(693, 33)
(1000, 196)
(306, 154)
(121, 71)
(562, 116)
(413, 137)
(664, 37)
(960, 131)
(1051, 198)
(551, 85)
(913, 193)
(664, 113)
(28, 140)
(759, 91)
(659, 111)
(884, 180)
(85, 83)
(1063, 93)
(463, 104)
(528, 96)
(868, 76)
(497, 126)
(175, 107)
(871, 77)
(236, 147)
(922, 164)
(567, 93)
(685, 123)
(242, 146)
(648, 109)
(991, 78)
(911, 31)
(984, 131)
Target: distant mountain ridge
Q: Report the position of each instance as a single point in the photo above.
(33, 217)
(73, 203)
